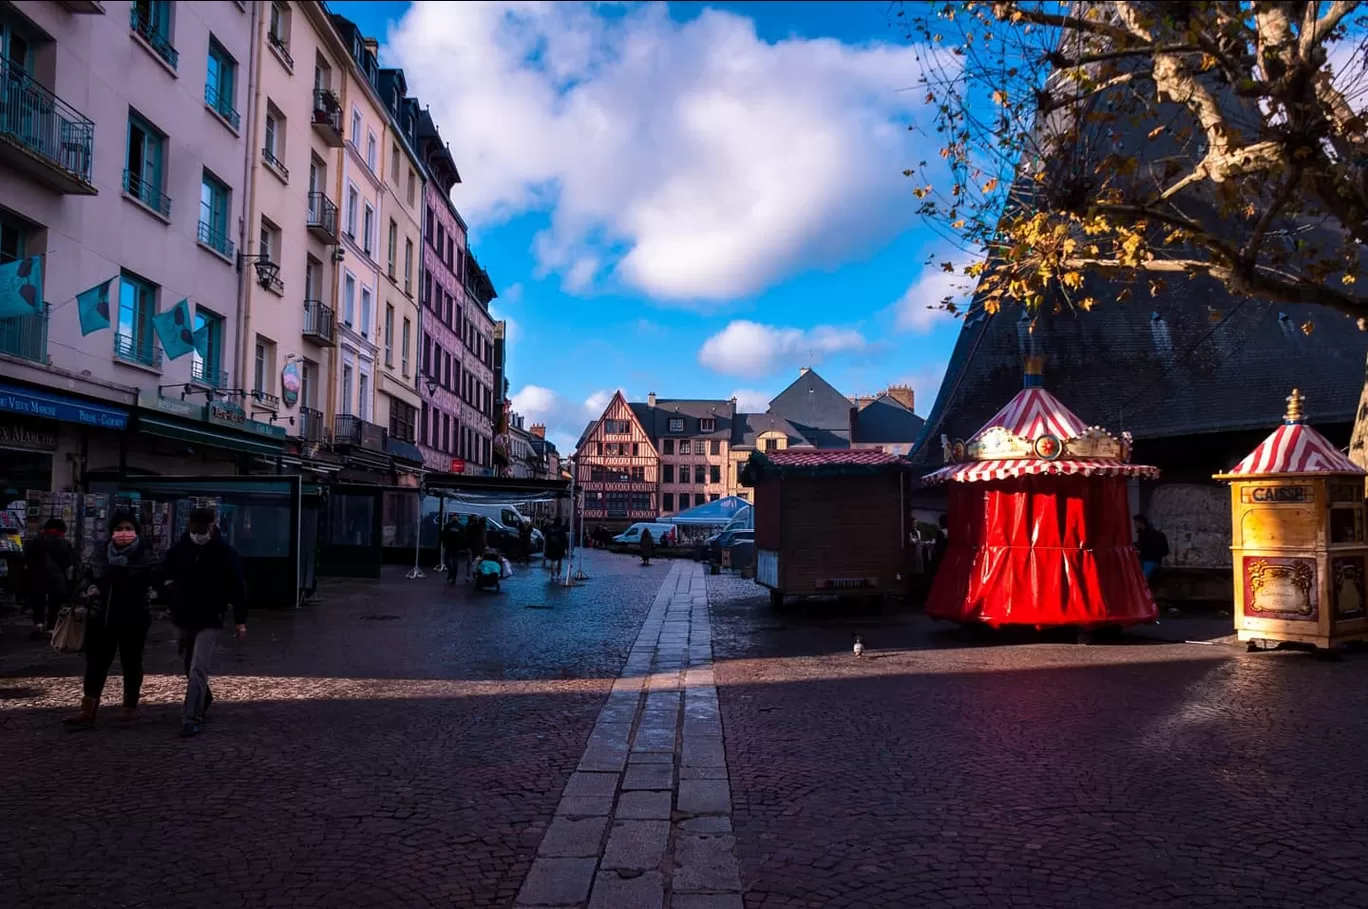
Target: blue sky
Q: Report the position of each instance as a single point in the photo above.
(694, 199)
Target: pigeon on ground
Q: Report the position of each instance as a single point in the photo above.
(859, 647)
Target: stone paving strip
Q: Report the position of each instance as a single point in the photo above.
(645, 821)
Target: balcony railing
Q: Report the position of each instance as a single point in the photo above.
(319, 323)
(142, 351)
(48, 129)
(352, 430)
(311, 425)
(205, 374)
(323, 217)
(25, 337)
(281, 48)
(266, 399)
(269, 157)
(221, 105)
(327, 117)
(141, 22)
(216, 240)
(146, 193)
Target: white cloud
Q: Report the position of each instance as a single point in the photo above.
(748, 400)
(920, 307)
(750, 349)
(688, 160)
(564, 419)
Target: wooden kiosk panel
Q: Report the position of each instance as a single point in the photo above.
(1300, 554)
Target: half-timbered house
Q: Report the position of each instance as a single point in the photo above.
(618, 468)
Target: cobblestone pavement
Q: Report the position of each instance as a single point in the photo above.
(938, 772)
(646, 817)
(401, 744)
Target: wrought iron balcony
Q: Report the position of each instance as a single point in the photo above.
(327, 117)
(140, 20)
(323, 218)
(281, 48)
(221, 105)
(205, 374)
(25, 337)
(319, 323)
(143, 350)
(146, 193)
(311, 425)
(42, 135)
(216, 240)
(269, 157)
(349, 430)
(266, 399)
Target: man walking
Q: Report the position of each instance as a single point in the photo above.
(205, 577)
(1153, 546)
(453, 547)
(49, 559)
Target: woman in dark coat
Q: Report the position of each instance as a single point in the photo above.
(123, 570)
(556, 544)
(647, 546)
(477, 537)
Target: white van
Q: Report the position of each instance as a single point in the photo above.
(507, 515)
(661, 534)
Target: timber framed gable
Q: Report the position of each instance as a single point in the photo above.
(618, 467)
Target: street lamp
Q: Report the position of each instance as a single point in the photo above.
(267, 271)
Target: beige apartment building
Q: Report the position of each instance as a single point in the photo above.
(292, 247)
(401, 214)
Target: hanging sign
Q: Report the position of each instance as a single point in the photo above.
(457, 465)
(289, 384)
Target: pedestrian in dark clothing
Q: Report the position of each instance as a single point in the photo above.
(647, 546)
(204, 577)
(525, 541)
(122, 572)
(476, 538)
(941, 540)
(1153, 546)
(453, 547)
(556, 545)
(49, 560)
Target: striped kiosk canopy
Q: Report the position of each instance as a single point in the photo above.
(1036, 435)
(1294, 448)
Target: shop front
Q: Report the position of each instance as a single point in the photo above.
(180, 437)
(45, 438)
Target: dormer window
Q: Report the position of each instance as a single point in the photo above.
(676, 424)
(707, 424)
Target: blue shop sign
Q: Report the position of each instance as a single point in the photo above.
(57, 407)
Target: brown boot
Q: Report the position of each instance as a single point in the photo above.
(85, 718)
(129, 713)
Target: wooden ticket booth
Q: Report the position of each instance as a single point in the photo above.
(1297, 520)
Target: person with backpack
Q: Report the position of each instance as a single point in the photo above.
(453, 547)
(1152, 544)
(49, 559)
(205, 581)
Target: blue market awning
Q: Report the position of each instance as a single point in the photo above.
(719, 512)
(34, 403)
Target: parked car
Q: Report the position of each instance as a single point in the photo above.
(507, 515)
(497, 534)
(664, 535)
(724, 540)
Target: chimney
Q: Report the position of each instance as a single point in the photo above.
(372, 46)
(650, 400)
(903, 394)
(538, 430)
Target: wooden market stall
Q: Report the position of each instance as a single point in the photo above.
(830, 522)
(1297, 538)
(1040, 524)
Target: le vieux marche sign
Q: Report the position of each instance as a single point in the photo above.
(221, 413)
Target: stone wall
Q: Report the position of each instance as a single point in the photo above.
(1196, 519)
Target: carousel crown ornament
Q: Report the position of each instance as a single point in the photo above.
(1294, 408)
(1043, 438)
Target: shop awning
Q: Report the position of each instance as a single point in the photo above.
(188, 432)
(404, 451)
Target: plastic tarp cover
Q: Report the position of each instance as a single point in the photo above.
(1041, 551)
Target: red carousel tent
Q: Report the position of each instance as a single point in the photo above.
(1040, 524)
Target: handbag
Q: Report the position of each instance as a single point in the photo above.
(69, 635)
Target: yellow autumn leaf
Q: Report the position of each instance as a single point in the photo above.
(1308, 326)
(1349, 279)
(1087, 303)
(1000, 97)
(957, 224)
(990, 185)
(1072, 280)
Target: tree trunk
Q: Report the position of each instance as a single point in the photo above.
(1358, 442)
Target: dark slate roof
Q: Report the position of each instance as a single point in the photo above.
(885, 421)
(656, 419)
(585, 435)
(811, 403)
(1208, 363)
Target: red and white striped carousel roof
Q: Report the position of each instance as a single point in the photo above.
(1035, 412)
(1294, 448)
(979, 471)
